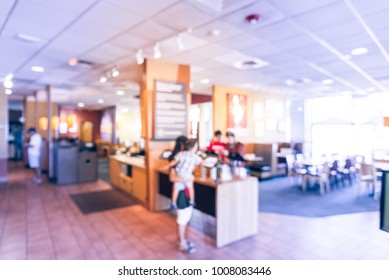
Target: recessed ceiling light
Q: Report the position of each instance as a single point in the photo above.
(120, 92)
(27, 37)
(359, 51)
(73, 61)
(327, 82)
(81, 105)
(8, 84)
(8, 91)
(38, 69)
(205, 81)
(100, 101)
(103, 79)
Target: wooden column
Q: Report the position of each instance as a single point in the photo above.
(157, 70)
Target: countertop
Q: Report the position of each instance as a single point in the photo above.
(134, 161)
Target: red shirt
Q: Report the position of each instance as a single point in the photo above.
(216, 146)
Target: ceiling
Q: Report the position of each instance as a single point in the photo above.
(302, 43)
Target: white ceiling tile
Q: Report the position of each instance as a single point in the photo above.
(276, 31)
(332, 14)
(189, 42)
(105, 54)
(262, 50)
(226, 30)
(241, 42)
(211, 50)
(232, 57)
(295, 7)
(144, 8)
(72, 7)
(129, 41)
(37, 20)
(378, 20)
(182, 16)
(295, 42)
(340, 31)
(107, 15)
(152, 31)
(370, 7)
(6, 6)
(184, 58)
(268, 14)
(346, 44)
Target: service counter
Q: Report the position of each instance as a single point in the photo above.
(129, 174)
(234, 204)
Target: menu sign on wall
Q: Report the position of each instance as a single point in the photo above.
(170, 115)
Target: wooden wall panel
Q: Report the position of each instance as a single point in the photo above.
(157, 70)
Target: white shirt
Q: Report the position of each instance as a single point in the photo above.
(34, 148)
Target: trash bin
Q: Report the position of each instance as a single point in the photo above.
(87, 166)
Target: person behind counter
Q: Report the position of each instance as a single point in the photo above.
(235, 149)
(184, 210)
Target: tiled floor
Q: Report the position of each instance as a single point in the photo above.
(42, 222)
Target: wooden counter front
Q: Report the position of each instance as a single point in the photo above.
(128, 174)
(234, 204)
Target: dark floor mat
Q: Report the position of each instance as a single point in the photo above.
(92, 202)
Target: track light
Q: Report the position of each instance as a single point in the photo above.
(180, 44)
(157, 51)
(8, 91)
(114, 72)
(8, 84)
(139, 57)
(103, 79)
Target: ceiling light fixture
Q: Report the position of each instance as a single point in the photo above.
(157, 51)
(205, 81)
(327, 82)
(27, 38)
(253, 18)
(115, 72)
(8, 84)
(215, 32)
(103, 79)
(100, 101)
(290, 82)
(139, 57)
(8, 91)
(120, 92)
(9, 77)
(81, 104)
(180, 44)
(73, 61)
(359, 51)
(38, 69)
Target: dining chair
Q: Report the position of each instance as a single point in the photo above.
(368, 177)
(321, 177)
(295, 171)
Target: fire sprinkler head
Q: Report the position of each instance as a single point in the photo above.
(253, 18)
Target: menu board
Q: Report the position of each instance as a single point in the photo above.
(171, 110)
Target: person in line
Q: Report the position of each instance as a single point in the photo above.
(184, 210)
(185, 163)
(18, 143)
(235, 149)
(34, 154)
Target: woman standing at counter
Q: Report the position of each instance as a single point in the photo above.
(184, 209)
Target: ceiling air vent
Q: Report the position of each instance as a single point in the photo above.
(250, 64)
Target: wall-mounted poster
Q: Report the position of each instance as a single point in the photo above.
(237, 111)
(171, 114)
